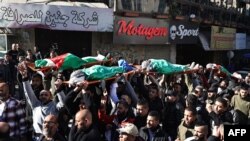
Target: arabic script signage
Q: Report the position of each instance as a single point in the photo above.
(222, 38)
(183, 32)
(56, 17)
(140, 31)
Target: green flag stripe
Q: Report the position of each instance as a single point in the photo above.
(164, 67)
(223, 69)
(44, 63)
(71, 62)
(98, 72)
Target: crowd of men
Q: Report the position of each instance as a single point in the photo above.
(138, 106)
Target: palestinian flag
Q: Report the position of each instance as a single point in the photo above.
(224, 71)
(99, 72)
(165, 67)
(221, 70)
(61, 62)
(94, 59)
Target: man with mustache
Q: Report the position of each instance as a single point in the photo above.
(200, 132)
(241, 104)
(153, 131)
(142, 110)
(50, 128)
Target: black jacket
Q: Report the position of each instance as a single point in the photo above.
(213, 138)
(74, 99)
(230, 117)
(91, 134)
(140, 121)
(159, 134)
(172, 116)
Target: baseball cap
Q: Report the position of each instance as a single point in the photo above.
(199, 88)
(237, 75)
(128, 128)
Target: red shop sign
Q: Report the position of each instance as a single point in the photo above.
(130, 29)
(140, 31)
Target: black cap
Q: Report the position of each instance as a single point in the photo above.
(244, 86)
(212, 89)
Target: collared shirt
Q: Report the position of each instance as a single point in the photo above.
(2, 107)
(56, 137)
(14, 115)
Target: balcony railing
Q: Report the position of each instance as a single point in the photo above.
(203, 11)
(143, 6)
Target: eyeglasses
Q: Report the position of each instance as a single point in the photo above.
(50, 123)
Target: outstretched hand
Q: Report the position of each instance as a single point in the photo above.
(22, 68)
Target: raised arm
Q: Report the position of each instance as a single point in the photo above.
(131, 91)
(60, 94)
(28, 91)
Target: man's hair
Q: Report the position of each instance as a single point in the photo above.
(124, 103)
(244, 86)
(143, 102)
(37, 75)
(202, 123)
(6, 85)
(154, 114)
(222, 101)
(55, 117)
(192, 100)
(191, 109)
(226, 81)
(154, 86)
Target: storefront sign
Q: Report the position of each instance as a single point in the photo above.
(140, 31)
(222, 38)
(56, 17)
(183, 32)
(241, 40)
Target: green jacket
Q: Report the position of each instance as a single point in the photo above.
(184, 132)
(242, 106)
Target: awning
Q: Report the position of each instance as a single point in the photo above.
(7, 31)
(204, 42)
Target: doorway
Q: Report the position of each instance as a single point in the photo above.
(75, 42)
(187, 54)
